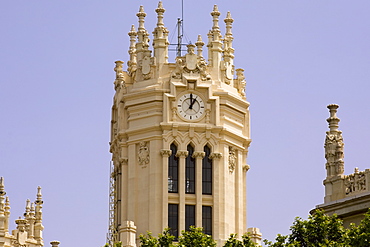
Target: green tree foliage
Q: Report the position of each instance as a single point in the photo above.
(193, 237)
(321, 230)
(234, 242)
(359, 236)
(119, 244)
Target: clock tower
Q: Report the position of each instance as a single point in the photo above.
(179, 137)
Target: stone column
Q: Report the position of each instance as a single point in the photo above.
(165, 154)
(182, 154)
(217, 171)
(198, 187)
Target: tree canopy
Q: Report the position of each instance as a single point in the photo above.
(193, 237)
(321, 230)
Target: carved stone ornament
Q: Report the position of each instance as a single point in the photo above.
(355, 182)
(177, 73)
(246, 168)
(166, 152)
(199, 155)
(123, 161)
(232, 159)
(119, 82)
(215, 156)
(191, 64)
(191, 58)
(143, 154)
(146, 65)
(182, 153)
(228, 71)
(240, 82)
(334, 152)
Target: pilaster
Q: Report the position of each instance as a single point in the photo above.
(198, 187)
(182, 154)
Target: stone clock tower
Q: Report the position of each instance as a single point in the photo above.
(179, 137)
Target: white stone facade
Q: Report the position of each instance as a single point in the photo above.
(29, 228)
(194, 102)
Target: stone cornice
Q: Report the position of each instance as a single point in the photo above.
(346, 206)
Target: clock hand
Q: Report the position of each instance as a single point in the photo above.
(195, 99)
(191, 101)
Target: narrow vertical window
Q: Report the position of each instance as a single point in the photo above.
(173, 170)
(189, 216)
(190, 171)
(173, 219)
(207, 172)
(207, 219)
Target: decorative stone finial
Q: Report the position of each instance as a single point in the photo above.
(215, 14)
(333, 120)
(2, 194)
(2, 191)
(199, 45)
(160, 10)
(132, 31)
(141, 12)
(39, 196)
(28, 208)
(7, 205)
(228, 20)
(54, 243)
(141, 15)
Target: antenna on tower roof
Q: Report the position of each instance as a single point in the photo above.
(180, 31)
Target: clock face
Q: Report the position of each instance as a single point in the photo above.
(190, 106)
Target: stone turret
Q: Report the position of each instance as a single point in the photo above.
(180, 133)
(334, 145)
(348, 196)
(29, 228)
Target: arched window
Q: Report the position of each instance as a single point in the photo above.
(173, 170)
(207, 172)
(190, 171)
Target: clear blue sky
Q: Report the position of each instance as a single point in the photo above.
(57, 60)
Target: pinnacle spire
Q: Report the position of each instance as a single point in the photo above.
(2, 191)
(228, 21)
(28, 208)
(215, 14)
(199, 45)
(333, 120)
(39, 196)
(160, 10)
(141, 15)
